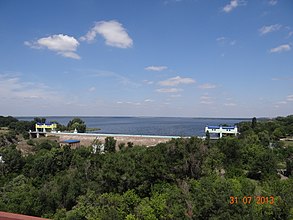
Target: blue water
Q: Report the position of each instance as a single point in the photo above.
(170, 126)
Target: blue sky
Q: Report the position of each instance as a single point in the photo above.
(187, 58)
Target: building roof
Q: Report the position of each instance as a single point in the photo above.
(214, 127)
(231, 127)
(70, 141)
(224, 127)
(12, 216)
(47, 123)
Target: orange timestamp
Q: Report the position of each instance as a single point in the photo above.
(259, 200)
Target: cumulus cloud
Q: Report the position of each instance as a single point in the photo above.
(207, 86)
(268, 29)
(61, 44)
(112, 31)
(156, 68)
(169, 90)
(281, 48)
(231, 6)
(176, 81)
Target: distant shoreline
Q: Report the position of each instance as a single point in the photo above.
(217, 118)
(158, 126)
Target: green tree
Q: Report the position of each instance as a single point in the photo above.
(40, 120)
(266, 164)
(60, 127)
(13, 161)
(278, 133)
(20, 196)
(22, 127)
(130, 144)
(121, 146)
(5, 121)
(253, 123)
(208, 138)
(264, 138)
(110, 144)
(78, 124)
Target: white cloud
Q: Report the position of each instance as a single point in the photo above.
(62, 44)
(282, 78)
(230, 104)
(290, 34)
(169, 90)
(273, 2)
(148, 82)
(281, 48)
(13, 87)
(290, 98)
(205, 99)
(233, 42)
(166, 2)
(92, 89)
(148, 100)
(129, 103)
(207, 86)
(223, 41)
(268, 29)
(176, 81)
(120, 78)
(175, 96)
(156, 68)
(231, 6)
(112, 31)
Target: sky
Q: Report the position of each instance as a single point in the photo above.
(175, 58)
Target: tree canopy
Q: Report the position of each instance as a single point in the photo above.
(78, 124)
(246, 177)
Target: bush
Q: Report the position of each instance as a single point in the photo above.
(110, 144)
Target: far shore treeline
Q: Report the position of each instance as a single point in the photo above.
(22, 127)
(245, 177)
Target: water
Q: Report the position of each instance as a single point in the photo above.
(169, 126)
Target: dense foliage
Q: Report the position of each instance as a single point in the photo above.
(5, 121)
(22, 127)
(274, 129)
(78, 124)
(182, 179)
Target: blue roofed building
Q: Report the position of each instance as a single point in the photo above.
(73, 143)
(221, 131)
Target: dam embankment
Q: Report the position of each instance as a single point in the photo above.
(87, 139)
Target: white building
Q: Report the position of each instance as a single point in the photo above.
(220, 130)
(1, 160)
